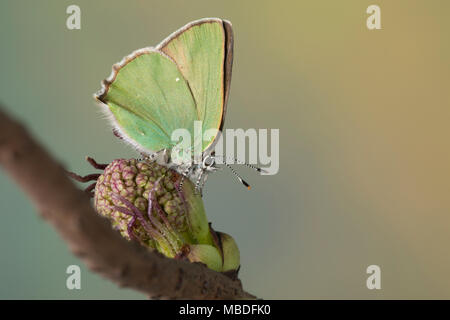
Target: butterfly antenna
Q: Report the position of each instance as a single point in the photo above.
(248, 165)
(258, 169)
(238, 176)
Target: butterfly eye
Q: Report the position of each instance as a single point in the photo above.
(208, 161)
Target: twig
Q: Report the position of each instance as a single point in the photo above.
(91, 237)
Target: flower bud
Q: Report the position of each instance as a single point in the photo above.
(146, 203)
(231, 255)
(206, 254)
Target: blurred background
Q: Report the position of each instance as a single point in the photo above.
(364, 139)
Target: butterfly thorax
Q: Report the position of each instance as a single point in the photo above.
(196, 171)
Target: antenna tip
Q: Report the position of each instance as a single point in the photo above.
(245, 184)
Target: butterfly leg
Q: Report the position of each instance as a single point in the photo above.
(182, 181)
(202, 185)
(185, 174)
(90, 188)
(89, 177)
(180, 194)
(99, 166)
(198, 189)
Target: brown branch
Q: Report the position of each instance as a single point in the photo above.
(91, 237)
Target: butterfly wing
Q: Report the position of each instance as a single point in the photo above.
(203, 51)
(187, 77)
(147, 98)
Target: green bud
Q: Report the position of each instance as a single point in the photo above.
(206, 254)
(231, 255)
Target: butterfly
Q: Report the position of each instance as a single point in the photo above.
(156, 90)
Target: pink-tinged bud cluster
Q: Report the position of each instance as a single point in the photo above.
(146, 203)
(135, 180)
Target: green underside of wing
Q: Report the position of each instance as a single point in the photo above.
(199, 53)
(154, 94)
(145, 133)
(150, 99)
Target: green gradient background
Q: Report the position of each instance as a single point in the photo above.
(364, 139)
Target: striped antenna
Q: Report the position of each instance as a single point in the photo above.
(258, 169)
(238, 176)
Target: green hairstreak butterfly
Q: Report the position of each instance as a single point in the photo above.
(156, 90)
